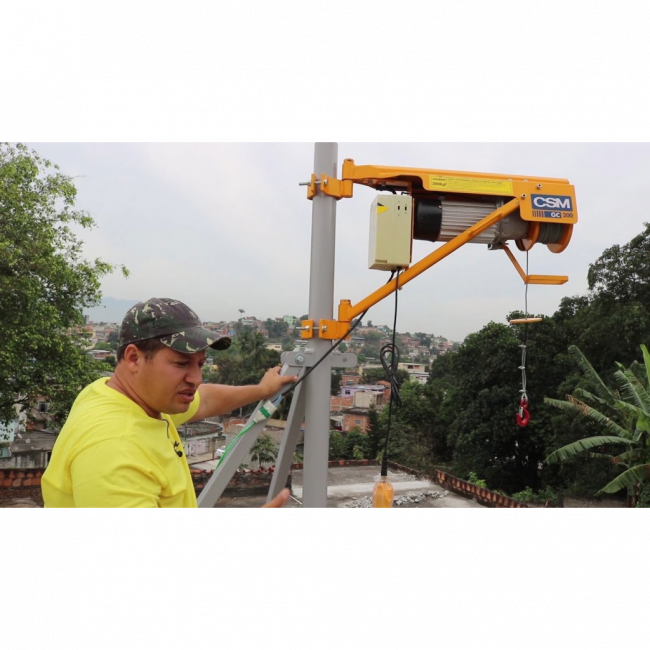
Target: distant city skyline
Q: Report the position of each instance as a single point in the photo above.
(112, 310)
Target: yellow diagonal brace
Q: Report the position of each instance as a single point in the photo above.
(534, 279)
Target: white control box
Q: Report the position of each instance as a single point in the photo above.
(390, 232)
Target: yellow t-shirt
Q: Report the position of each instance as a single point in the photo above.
(111, 454)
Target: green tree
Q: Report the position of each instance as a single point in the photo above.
(375, 434)
(413, 427)
(483, 435)
(357, 444)
(277, 329)
(245, 362)
(104, 345)
(622, 273)
(353, 445)
(373, 375)
(338, 447)
(623, 416)
(45, 285)
(264, 451)
(252, 346)
(373, 337)
(337, 374)
(370, 351)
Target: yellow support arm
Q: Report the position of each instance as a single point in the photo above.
(347, 311)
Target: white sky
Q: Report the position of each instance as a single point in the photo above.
(226, 226)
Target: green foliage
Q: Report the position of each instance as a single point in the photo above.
(45, 285)
(264, 451)
(374, 375)
(338, 448)
(375, 433)
(277, 329)
(624, 414)
(546, 494)
(414, 433)
(479, 482)
(644, 497)
(337, 374)
(353, 445)
(104, 345)
(464, 418)
(373, 337)
(622, 273)
(245, 362)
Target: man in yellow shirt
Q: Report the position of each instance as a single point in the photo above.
(119, 446)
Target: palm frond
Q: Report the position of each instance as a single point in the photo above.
(626, 457)
(631, 477)
(576, 406)
(606, 408)
(590, 374)
(646, 361)
(640, 389)
(587, 396)
(630, 388)
(643, 422)
(640, 431)
(628, 409)
(638, 370)
(573, 449)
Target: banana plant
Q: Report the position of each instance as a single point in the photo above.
(624, 415)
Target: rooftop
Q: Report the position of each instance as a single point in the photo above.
(348, 485)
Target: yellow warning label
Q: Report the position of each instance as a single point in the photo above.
(381, 208)
(470, 185)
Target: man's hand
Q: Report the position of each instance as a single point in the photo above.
(279, 501)
(272, 382)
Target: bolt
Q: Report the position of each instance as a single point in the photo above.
(539, 186)
(523, 196)
(323, 328)
(344, 359)
(300, 359)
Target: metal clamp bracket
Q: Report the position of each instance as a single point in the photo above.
(333, 187)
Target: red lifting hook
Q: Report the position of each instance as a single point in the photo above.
(523, 417)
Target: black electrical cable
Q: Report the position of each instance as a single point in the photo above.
(391, 372)
(336, 345)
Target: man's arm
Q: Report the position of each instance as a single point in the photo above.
(217, 399)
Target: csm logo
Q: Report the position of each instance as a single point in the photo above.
(555, 202)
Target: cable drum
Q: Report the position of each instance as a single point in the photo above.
(550, 233)
(444, 219)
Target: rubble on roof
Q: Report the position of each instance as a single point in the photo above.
(409, 497)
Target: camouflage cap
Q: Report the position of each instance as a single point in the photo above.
(173, 323)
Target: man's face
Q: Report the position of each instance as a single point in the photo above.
(168, 381)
